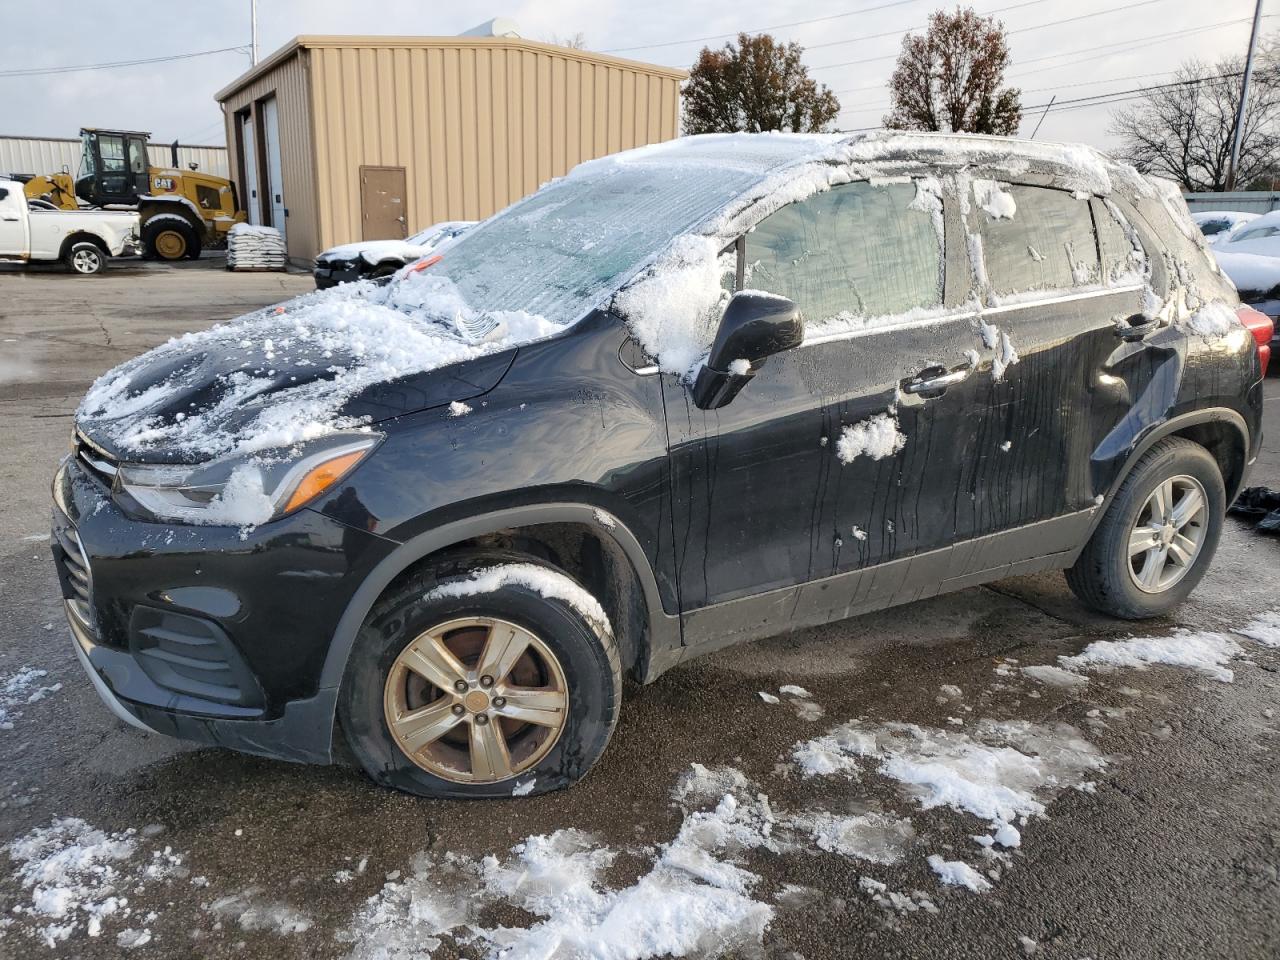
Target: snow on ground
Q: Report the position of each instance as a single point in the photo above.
(877, 437)
(958, 873)
(1265, 629)
(251, 910)
(694, 900)
(1004, 771)
(1054, 676)
(21, 688)
(1203, 651)
(78, 877)
(876, 837)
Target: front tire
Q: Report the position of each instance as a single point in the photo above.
(472, 681)
(86, 258)
(1158, 536)
(169, 238)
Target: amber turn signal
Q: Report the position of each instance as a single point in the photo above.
(321, 477)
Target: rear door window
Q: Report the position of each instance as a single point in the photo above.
(1034, 238)
(856, 250)
(1123, 259)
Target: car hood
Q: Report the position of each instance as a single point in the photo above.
(328, 362)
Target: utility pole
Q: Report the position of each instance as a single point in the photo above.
(252, 13)
(1244, 98)
(1047, 108)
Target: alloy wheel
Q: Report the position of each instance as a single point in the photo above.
(1168, 534)
(86, 261)
(476, 700)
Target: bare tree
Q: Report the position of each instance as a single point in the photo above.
(950, 78)
(759, 84)
(574, 41)
(1183, 130)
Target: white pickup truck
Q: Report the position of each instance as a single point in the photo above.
(83, 239)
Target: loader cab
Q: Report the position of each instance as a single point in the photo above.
(114, 166)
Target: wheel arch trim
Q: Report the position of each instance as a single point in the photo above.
(663, 628)
(1167, 429)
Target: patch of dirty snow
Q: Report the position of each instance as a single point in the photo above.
(252, 910)
(768, 697)
(1000, 772)
(876, 437)
(693, 901)
(892, 900)
(877, 837)
(130, 938)
(458, 409)
(1054, 676)
(78, 876)
(957, 873)
(524, 789)
(19, 689)
(792, 690)
(1265, 629)
(541, 580)
(1207, 652)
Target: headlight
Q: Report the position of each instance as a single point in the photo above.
(246, 490)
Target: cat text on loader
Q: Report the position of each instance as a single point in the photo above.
(181, 211)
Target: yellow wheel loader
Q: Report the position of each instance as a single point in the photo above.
(182, 211)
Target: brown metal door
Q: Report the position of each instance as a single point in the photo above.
(382, 203)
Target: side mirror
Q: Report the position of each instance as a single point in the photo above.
(755, 326)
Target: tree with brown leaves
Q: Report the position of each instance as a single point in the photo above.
(757, 85)
(951, 77)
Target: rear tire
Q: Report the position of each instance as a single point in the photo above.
(86, 258)
(568, 651)
(170, 239)
(1145, 557)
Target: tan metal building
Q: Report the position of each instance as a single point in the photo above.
(335, 139)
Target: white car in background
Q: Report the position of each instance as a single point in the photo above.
(83, 239)
(1250, 256)
(1217, 225)
(370, 259)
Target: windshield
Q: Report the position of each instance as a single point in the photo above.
(558, 253)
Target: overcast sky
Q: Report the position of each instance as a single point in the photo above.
(1130, 43)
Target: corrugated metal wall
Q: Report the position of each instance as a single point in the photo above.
(288, 83)
(477, 123)
(476, 127)
(35, 155)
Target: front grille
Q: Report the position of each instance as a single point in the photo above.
(74, 575)
(192, 656)
(96, 460)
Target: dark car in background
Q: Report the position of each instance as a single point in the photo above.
(686, 396)
(371, 259)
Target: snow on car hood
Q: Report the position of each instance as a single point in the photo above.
(329, 361)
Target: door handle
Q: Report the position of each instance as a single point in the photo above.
(933, 379)
(11, 219)
(1136, 327)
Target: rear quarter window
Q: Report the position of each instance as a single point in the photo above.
(1042, 240)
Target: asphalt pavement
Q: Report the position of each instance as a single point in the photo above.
(1168, 847)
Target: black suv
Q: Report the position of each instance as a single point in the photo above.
(686, 396)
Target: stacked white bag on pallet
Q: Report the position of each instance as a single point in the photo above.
(251, 247)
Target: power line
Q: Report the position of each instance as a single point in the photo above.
(899, 32)
(1038, 26)
(776, 26)
(1100, 99)
(44, 71)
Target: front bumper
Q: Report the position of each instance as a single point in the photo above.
(199, 633)
(329, 274)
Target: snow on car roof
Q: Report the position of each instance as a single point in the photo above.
(648, 222)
